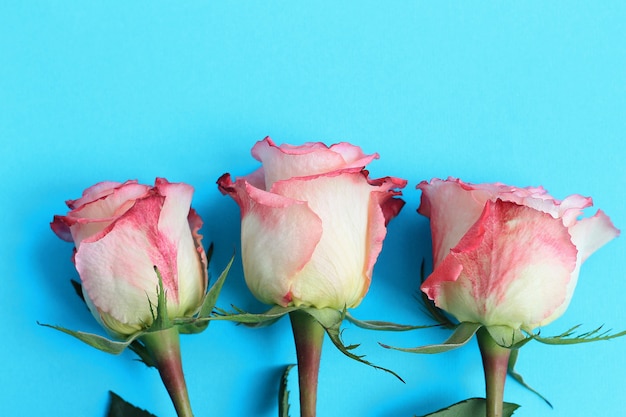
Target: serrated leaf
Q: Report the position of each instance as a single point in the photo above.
(473, 407)
(161, 320)
(144, 356)
(201, 322)
(330, 320)
(569, 337)
(283, 393)
(462, 334)
(97, 341)
(118, 407)
(253, 319)
(384, 325)
(516, 376)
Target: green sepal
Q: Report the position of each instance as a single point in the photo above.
(99, 342)
(283, 393)
(384, 325)
(253, 319)
(160, 320)
(144, 355)
(507, 337)
(201, 321)
(461, 335)
(331, 320)
(472, 407)
(516, 376)
(569, 337)
(118, 407)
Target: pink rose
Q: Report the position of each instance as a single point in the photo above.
(312, 223)
(507, 256)
(121, 232)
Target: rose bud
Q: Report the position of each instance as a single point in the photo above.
(312, 223)
(122, 232)
(507, 256)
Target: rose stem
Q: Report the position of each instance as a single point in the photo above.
(495, 364)
(164, 348)
(308, 335)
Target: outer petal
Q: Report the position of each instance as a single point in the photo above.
(100, 204)
(94, 216)
(195, 273)
(383, 208)
(349, 206)
(97, 192)
(116, 265)
(511, 268)
(278, 237)
(588, 235)
(592, 233)
(286, 161)
(190, 278)
(452, 209)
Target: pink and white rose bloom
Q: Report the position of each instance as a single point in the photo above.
(507, 256)
(121, 232)
(312, 223)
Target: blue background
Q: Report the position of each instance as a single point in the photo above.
(532, 93)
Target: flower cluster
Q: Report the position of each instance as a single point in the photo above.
(506, 260)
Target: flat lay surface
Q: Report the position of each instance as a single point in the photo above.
(526, 94)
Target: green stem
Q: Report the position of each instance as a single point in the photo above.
(495, 365)
(164, 347)
(308, 335)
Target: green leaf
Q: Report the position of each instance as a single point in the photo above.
(462, 334)
(254, 319)
(569, 337)
(331, 320)
(283, 394)
(211, 298)
(384, 325)
(473, 407)
(97, 341)
(162, 319)
(144, 356)
(511, 371)
(201, 322)
(506, 336)
(120, 408)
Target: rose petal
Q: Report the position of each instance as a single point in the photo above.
(286, 161)
(592, 233)
(339, 272)
(117, 265)
(511, 268)
(96, 192)
(278, 237)
(174, 224)
(94, 216)
(452, 210)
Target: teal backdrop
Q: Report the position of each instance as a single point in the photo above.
(529, 93)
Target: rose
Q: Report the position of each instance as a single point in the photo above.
(507, 256)
(313, 223)
(122, 232)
